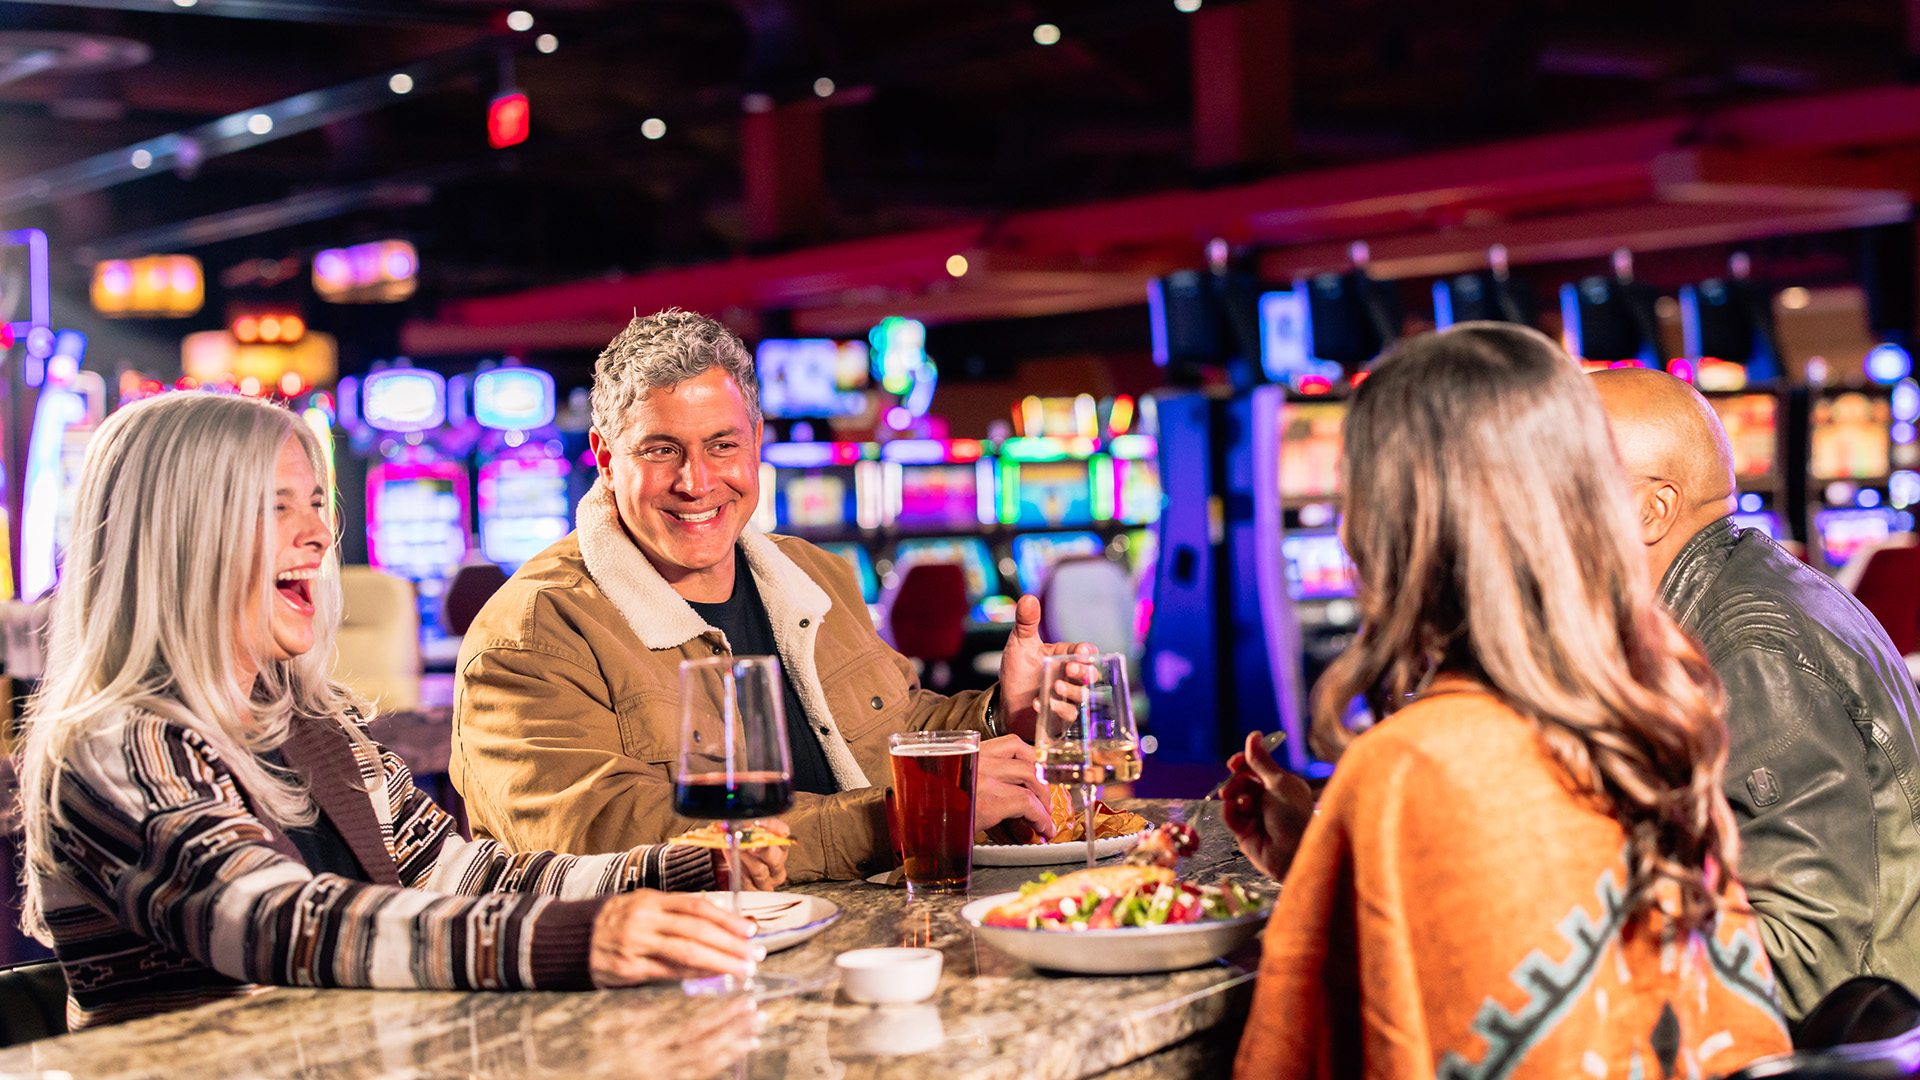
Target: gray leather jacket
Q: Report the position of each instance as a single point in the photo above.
(1822, 772)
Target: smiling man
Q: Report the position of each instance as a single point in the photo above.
(567, 708)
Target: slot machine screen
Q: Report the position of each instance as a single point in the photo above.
(1752, 427)
(1138, 485)
(862, 563)
(1851, 439)
(1843, 532)
(418, 526)
(943, 496)
(523, 507)
(811, 377)
(1765, 520)
(1317, 567)
(815, 500)
(1310, 449)
(969, 552)
(1036, 555)
(1054, 493)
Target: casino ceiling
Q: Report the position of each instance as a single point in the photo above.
(930, 112)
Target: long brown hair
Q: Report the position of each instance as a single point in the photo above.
(1489, 524)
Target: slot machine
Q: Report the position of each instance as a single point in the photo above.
(419, 510)
(69, 409)
(1752, 419)
(940, 501)
(523, 470)
(1859, 457)
(1050, 495)
(829, 493)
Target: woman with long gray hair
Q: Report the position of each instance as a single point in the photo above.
(205, 812)
(1525, 868)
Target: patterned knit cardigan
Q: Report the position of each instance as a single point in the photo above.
(171, 891)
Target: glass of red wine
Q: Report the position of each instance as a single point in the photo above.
(734, 766)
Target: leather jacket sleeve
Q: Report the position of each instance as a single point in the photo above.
(1796, 777)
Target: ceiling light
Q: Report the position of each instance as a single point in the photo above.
(653, 127)
(401, 83)
(1046, 33)
(957, 265)
(546, 43)
(1795, 298)
(142, 159)
(823, 86)
(520, 20)
(259, 123)
(185, 3)
(1188, 6)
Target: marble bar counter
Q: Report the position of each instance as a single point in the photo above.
(993, 1017)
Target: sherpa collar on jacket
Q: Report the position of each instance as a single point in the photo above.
(662, 619)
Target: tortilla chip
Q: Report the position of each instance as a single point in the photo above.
(715, 836)
(1069, 824)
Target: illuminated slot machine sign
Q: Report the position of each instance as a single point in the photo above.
(1036, 554)
(1843, 532)
(936, 485)
(1317, 567)
(1135, 481)
(1310, 450)
(823, 488)
(1851, 437)
(523, 480)
(1048, 483)
(417, 508)
(811, 377)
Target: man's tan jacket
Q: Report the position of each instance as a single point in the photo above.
(566, 712)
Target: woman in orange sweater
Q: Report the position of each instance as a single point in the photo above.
(1524, 869)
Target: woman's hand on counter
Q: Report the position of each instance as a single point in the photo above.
(1266, 807)
(645, 935)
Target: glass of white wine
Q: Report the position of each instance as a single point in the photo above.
(1085, 733)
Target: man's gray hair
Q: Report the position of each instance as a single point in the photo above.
(665, 349)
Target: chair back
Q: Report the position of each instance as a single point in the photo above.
(471, 586)
(1867, 1028)
(33, 1002)
(1089, 599)
(377, 651)
(1890, 588)
(928, 613)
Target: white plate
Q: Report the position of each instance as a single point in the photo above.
(785, 919)
(1073, 851)
(1131, 950)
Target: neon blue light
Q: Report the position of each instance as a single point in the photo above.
(1157, 320)
(58, 410)
(1906, 401)
(1903, 488)
(914, 451)
(1901, 433)
(513, 398)
(798, 455)
(1442, 306)
(1867, 497)
(1888, 363)
(1751, 502)
(39, 293)
(404, 399)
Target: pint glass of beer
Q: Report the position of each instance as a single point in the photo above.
(934, 774)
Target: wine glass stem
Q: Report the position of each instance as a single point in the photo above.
(1092, 792)
(733, 864)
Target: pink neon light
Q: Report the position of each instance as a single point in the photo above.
(399, 472)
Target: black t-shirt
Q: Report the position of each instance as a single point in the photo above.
(321, 846)
(743, 618)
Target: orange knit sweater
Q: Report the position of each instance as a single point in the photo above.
(1455, 911)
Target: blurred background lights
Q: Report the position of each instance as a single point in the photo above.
(1751, 502)
(1187, 6)
(1868, 497)
(653, 127)
(1901, 433)
(1903, 488)
(546, 43)
(154, 285)
(259, 123)
(1795, 298)
(957, 265)
(1888, 363)
(1046, 34)
(823, 86)
(381, 272)
(141, 159)
(400, 83)
(520, 20)
(1906, 400)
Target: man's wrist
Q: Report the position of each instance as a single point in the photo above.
(995, 720)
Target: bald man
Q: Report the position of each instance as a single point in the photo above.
(1822, 769)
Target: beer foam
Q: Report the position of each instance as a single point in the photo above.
(933, 750)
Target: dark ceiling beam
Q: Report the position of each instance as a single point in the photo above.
(265, 217)
(243, 130)
(341, 12)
